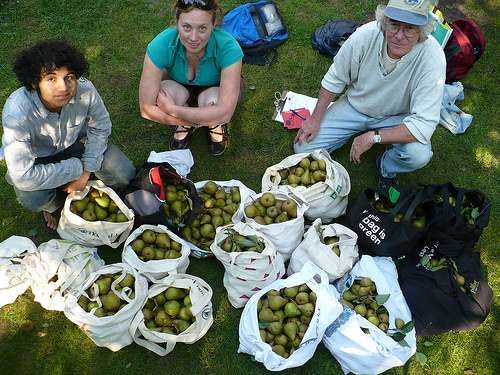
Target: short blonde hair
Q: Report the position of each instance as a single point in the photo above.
(424, 30)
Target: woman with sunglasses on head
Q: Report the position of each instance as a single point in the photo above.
(191, 75)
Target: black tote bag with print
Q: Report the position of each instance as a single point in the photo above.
(389, 230)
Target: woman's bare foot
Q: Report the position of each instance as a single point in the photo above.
(50, 220)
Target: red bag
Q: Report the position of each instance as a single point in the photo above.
(465, 47)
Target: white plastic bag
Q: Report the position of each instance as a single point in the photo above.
(326, 200)
(249, 271)
(326, 311)
(245, 192)
(312, 249)
(94, 233)
(14, 280)
(162, 343)
(375, 352)
(156, 269)
(287, 235)
(111, 332)
(69, 263)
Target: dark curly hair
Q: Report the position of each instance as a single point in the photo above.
(45, 57)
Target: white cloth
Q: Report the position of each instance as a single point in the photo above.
(452, 117)
(414, 87)
(181, 160)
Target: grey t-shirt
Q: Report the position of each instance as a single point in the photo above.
(31, 131)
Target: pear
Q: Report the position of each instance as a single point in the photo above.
(263, 334)
(172, 254)
(275, 328)
(290, 207)
(103, 201)
(161, 318)
(322, 164)
(113, 208)
(260, 208)
(175, 293)
(312, 297)
(304, 288)
(299, 171)
(92, 305)
(305, 163)
(148, 253)
(137, 245)
(305, 319)
(128, 281)
(267, 200)
(207, 231)
(364, 290)
(148, 314)
(399, 323)
(360, 309)
(305, 179)
(383, 326)
(210, 187)
(281, 339)
(160, 299)
(384, 318)
(291, 292)
(159, 254)
(260, 220)
(273, 292)
(314, 166)
(266, 314)
(162, 240)
(306, 309)
(181, 325)
(303, 328)
(81, 205)
(291, 310)
(185, 313)
(148, 236)
(371, 312)
(290, 329)
(268, 220)
(150, 304)
(88, 215)
(104, 285)
(168, 330)
(151, 325)
(100, 312)
(235, 196)
(373, 320)
(279, 316)
(172, 308)
(83, 302)
(365, 281)
(276, 302)
(111, 302)
(281, 218)
(319, 176)
(293, 179)
(302, 298)
(121, 217)
(187, 301)
(227, 218)
(280, 350)
(347, 303)
(174, 245)
(217, 221)
(272, 212)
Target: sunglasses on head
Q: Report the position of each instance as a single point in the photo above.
(200, 4)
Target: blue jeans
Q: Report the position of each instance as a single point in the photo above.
(116, 170)
(341, 122)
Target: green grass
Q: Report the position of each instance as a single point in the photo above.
(114, 35)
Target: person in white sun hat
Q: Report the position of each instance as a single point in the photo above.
(394, 76)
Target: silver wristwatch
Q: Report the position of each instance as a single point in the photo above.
(376, 137)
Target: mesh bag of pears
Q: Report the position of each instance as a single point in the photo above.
(375, 331)
(323, 183)
(282, 324)
(221, 202)
(95, 216)
(178, 309)
(155, 251)
(106, 304)
(280, 216)
(250, 260)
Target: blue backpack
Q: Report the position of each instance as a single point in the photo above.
(259, 29)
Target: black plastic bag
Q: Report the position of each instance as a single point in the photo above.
(386, 229)
(328, 39)
(445, 294)
(148, 197)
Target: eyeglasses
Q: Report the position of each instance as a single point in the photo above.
(200, 4)
(408, 31)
